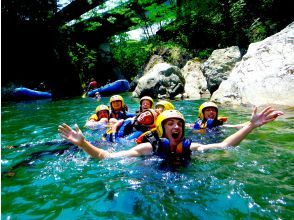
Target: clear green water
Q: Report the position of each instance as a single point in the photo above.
(57, 181)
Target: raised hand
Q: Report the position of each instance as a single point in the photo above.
(268, 114)
(74, 136)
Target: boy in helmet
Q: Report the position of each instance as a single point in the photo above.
(171, 143)
(146, 102)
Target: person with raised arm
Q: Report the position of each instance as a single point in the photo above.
(171, 144)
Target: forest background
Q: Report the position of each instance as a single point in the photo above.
(66, 47)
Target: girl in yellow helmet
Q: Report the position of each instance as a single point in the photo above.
(164, 105)
(208, 118)
(171, 144)
(118, 108)
(99, 119)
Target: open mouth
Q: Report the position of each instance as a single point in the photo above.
(175, 134)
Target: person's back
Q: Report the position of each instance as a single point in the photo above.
(92, 84)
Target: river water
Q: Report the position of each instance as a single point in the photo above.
(44, 177)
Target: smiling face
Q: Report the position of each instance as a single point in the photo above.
(146, 104)
(173, 130)
(116, 105)
(103, 114)
(210, 113)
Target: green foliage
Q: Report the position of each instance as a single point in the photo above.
(237, 11)
(257, 31)
(90, 26)
(204, 54)
(130, 55)
(84, 60)
(111, 19)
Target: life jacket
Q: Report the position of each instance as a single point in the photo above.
(161, 147)
(93, 85)
(118, 115)
(121, 114)
(125, 129)
(209, 123)
(148, 136)
(180, 156)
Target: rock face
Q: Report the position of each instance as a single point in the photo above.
(155, 59)
(196, 85)
(219, 66)
(265, 75)
(161, 81)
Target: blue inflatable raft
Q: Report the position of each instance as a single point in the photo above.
(118, 86)
(23, 93)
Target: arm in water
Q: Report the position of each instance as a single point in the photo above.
(265, 116)
(76, 137)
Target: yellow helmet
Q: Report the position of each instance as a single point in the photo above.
(204, 106)
(147, 98)
(166, 105)
(167, 115)
(117, 98)
(101, 107)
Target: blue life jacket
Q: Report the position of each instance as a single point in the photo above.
(133, 135)
(121, 115)
(126, 131)
(209, 123)
(181, 156)
(126, 128)
(118, 115)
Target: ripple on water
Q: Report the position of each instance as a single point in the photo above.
(59, 181)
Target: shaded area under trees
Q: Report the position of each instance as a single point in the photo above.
(38, 46)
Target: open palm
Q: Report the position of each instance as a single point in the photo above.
(74, 136)
(266, 115)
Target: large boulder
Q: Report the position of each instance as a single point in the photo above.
(219, 66)
(265, 75)
(161, 81)
(155, 59)
(196, 85)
